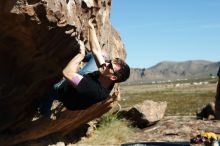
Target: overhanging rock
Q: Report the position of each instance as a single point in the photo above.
(37, 39)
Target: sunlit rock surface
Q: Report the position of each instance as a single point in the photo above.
(145, 114)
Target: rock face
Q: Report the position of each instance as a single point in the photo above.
(37, 39)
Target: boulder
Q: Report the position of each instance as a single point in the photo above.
(145, 114)
(37, 39)
(207, 111)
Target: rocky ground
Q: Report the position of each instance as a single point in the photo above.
(176, 129)
(170, 129)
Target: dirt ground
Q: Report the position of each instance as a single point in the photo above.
(176, 129)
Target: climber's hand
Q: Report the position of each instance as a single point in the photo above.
(91, 26)
(81, 47)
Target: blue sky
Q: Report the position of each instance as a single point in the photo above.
(168, 30)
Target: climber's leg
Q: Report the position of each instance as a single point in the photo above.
(90, 66)
(45, 106)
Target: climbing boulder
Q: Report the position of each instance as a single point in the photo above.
(38, 38)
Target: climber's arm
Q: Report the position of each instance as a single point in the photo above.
(70, 71)
(95, 46)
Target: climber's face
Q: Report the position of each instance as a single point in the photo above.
(109, 69)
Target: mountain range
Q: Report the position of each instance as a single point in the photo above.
(170, 70)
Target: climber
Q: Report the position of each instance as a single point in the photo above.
(93, 83)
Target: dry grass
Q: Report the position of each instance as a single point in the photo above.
(182, 100)
(111, 131)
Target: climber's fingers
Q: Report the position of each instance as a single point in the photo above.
(115, 94)
(90, 24)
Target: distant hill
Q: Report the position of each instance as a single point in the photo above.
(168, 70)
